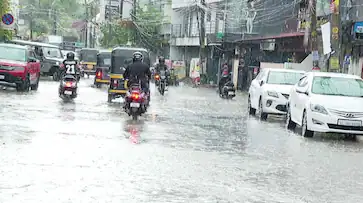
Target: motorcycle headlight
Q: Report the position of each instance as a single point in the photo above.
(318, 108)
(272, 94)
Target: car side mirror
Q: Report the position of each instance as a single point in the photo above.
(261, 82)
(32, 60)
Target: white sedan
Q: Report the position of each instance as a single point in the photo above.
(270, 90)
(327, 102)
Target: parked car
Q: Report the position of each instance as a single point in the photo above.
(326, 102)
(19, 67)
(49, 55)
(270, 90)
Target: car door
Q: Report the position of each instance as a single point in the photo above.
(46, 63)
(299, 99)
(256, 88)
(31, 67)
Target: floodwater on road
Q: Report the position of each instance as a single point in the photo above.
(191, 146)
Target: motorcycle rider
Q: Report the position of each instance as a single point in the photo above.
(71, 65)
(224, 77)
(138, 71)
(162, 66)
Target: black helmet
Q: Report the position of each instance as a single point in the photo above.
(161, 59)
(137, 56)
(70, 56)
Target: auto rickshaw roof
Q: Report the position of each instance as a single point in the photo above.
(129, 48)
(30, 43)
(105, 51)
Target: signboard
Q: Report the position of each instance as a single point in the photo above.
(306, 24)
(112, 11)
(7, 21)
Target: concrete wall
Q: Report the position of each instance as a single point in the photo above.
(183, 53)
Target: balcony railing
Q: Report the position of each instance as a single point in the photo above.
(192, 30)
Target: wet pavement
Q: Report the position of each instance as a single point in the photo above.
(192, 146)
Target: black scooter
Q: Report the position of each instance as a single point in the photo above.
(68, 87)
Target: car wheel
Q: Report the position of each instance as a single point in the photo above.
(251, 110)
(262, 115)
(56, 76)
(291, 125)
(304, 127)
(24, 86)
(35, 86)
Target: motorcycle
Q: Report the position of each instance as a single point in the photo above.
(161, 81)
(228, 91)
(135, 101)
(68, 89)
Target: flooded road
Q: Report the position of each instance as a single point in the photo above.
(191, 146)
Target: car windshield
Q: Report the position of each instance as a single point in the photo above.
(284, 77)
(52, 52)
(338, 86)
(12, 53)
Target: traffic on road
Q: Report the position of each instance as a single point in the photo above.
(187, 145)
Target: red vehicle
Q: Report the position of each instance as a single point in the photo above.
(19, 67)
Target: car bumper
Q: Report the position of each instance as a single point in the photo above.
(273, 105)
(103, 81)
(10, 79)
(319, 122)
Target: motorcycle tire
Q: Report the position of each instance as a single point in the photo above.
(162, 88)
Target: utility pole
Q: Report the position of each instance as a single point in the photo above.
(134, 20)
(335, 60)
(121, 9)
(54, 22)
(109, 23)
(202, 34)
(86, 25)
(314, 35)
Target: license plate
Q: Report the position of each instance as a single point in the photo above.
(136, 105)
(162, 77)
(68, 92)
(230, 93)
(350, 122)
(89, 66)
(2, 77)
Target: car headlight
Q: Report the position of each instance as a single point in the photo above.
(272, 94)
(318, 108)
(57, 63)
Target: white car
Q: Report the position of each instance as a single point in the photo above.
(327, 102)
(269, 91)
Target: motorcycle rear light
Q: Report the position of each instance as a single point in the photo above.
(157, 77)
(135, 96)
(99, 74)
(69, 84)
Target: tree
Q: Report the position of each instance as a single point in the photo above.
(4, 8)
(47, 13)
(120, 34)
(147, 24)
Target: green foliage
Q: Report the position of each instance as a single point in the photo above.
(148, 22)
(143, 31)
(119, 35)
(4, 7)
(44, 12)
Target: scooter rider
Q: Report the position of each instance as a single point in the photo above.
(138, 70)
(71, 65)
(224, 77)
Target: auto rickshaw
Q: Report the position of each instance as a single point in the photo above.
(121, 57)
(88, 58)
(103, 68)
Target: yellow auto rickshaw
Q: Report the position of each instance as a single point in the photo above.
(103, 68)
(121, 57)
(88, 60)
